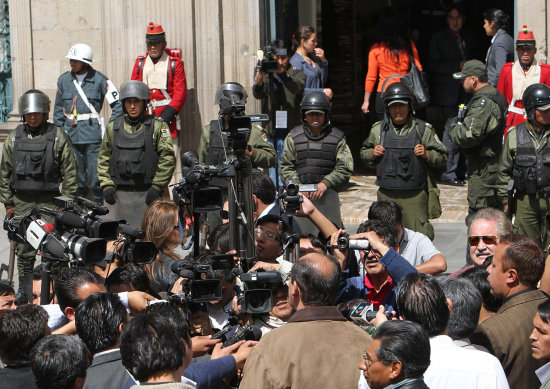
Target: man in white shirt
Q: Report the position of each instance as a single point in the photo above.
(422, 300)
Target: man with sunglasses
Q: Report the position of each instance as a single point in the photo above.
(517, 267)
(484, 231)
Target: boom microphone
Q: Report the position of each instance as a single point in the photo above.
(67, 218)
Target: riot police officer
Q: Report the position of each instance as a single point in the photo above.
(403, 148)
(317, 153)
(36, 158)
(136, 158)
(525, 160)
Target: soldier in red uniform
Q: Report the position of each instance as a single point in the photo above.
(163, 72)
(516, 76)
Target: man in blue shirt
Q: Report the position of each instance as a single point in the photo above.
(384, 267)
(79, 99)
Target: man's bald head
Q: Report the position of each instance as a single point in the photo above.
(317, 278)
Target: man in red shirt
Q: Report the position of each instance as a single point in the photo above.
(163, 71)
(516, 76)
(382, 264)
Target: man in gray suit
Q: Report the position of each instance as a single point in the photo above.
(517, 266)
(99, 321)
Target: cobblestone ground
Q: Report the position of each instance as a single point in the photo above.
(356, 199)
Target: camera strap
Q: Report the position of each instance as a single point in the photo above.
(181, 223)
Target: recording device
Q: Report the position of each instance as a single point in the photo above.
(238, 330)
(194, 188)
(268, 63)
(200, 285)
(129, 249)
(345, 243)
(290, 197)
(360, 312)
(243, 332)
(256, 295)
(55, 242)
(94, 226)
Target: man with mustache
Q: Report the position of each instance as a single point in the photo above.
(516, 76)
(484, 232)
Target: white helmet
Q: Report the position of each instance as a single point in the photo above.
(80, 52)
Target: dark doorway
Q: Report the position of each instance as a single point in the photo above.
(347, 32)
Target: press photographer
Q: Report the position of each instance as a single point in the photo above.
(383, 266)
(280, 87)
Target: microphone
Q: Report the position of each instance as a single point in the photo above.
(67, 218)
(134, 232)
(225, 106)
(179, 268)
(96, 207)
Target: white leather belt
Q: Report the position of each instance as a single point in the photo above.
(160, 103)
(83, 116)
(519, 111)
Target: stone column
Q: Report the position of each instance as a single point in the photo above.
(21, 48)
(534, 13)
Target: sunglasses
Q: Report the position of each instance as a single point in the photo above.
(474, 240)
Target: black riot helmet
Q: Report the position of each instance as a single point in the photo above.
(536, 96)
(398, 91)
(316, 101)
(231, 97)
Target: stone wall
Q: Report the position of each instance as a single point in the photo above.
(218, 39)
(534, 13)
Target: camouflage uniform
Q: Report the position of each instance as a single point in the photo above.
(480, 135)
(329, 204)
(25, 201)
(130, 203)
(531, 210)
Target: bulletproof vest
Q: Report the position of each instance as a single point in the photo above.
(492, 145)
(134, 160)
(34, 166)
(218, 142)
(399, 167)
(531, 168)
(316, 156)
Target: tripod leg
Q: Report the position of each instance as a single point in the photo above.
(11, 263)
